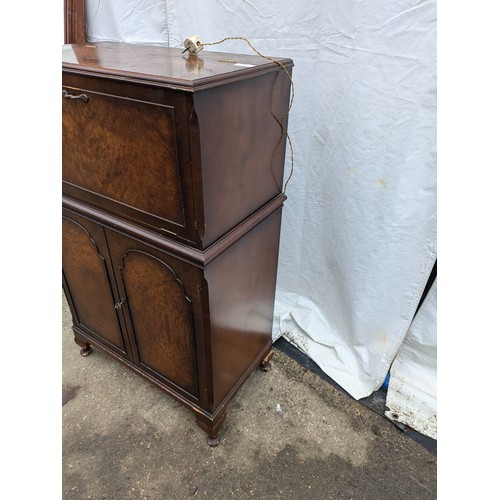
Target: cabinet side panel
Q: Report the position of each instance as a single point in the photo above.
(162, 319)
(242, 283)
(242, 148)
(124, 150)
(88, 282)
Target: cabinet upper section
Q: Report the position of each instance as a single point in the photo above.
(164, 65)
(189, 147)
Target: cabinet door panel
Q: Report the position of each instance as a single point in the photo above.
(112, 145)
(160, 313)
(88, 280)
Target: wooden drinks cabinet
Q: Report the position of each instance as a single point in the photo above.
(172, 171)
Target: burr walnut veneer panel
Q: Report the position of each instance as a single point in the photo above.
(113, 144)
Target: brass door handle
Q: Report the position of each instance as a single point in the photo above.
(82, 97)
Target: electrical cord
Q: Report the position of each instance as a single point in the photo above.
(194, 45)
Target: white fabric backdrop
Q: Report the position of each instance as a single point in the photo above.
(359, 226)
(412, 397)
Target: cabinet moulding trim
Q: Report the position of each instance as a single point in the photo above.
(184, 85)
(192, 255)
(79, 226)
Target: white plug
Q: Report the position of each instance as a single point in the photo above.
(193, 45)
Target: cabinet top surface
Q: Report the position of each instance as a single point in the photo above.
(164, 65)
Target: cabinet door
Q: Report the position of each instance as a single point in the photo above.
(159, 310)
(89, 281)
(129, 156)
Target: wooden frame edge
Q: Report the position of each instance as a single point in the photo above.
(74, 21)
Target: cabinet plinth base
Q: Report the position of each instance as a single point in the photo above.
(211, 427)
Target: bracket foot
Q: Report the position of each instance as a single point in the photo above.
(86, 350)
(265, 364)
(213, 441)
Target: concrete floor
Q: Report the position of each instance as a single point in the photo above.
(125, 439)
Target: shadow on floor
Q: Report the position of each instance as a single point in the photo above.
(375, 401)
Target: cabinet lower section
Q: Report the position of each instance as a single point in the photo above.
(194, 324)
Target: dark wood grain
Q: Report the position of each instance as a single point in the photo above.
(242, 283)
(242, 149)
(206, 159)
(165, 66)
(180, 174)
(162, 318)
(172, 196)
(74, 21)
(111, 145)
(87, 276)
